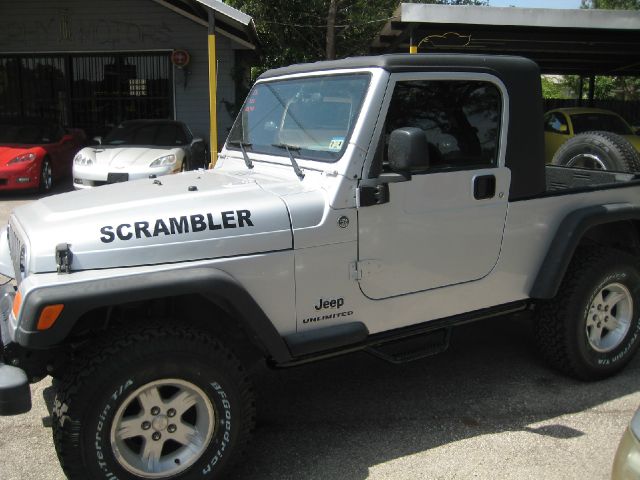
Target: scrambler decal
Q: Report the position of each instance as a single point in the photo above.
(177, 225)
(329, 304)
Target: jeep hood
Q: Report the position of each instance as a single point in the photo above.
(191, 216)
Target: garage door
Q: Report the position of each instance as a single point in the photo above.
(90, 91)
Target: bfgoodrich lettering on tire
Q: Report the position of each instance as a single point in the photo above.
(158, 403)
(592, 328)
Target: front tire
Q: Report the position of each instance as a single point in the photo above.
(46, 176)
(162, 403)
(591, 330)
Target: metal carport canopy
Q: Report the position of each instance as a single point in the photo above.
(229, 22)
(579, 41)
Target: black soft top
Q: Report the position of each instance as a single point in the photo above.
(525, 141)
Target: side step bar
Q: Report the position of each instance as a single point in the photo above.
(413, 348)
(397, 346)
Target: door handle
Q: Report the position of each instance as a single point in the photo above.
(484, 186)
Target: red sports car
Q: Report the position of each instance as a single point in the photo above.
(34, 154)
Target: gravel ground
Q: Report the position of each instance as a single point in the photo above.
(485, 409)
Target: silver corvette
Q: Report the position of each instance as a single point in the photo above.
(139, 149)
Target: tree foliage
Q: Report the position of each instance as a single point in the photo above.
(611, 4)
(295, 31)
(555, 87)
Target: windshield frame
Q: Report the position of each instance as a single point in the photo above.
(230, 144)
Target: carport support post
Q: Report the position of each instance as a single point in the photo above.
(580, 91)
(413, 48)
(213, 88)
(592, 89)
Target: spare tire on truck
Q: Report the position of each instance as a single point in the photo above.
(598, 151)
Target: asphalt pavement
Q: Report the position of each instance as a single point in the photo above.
(485, 409)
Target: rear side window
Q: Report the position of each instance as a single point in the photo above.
(586, 122)
(460, 119)
(556, 123)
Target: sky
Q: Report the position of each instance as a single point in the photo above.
(536, 3)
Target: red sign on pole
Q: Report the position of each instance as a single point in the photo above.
(180, 58)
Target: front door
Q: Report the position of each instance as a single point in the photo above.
(444, 226)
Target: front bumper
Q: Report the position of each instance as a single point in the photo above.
(20, 176)
(97, 175)
(15, 393)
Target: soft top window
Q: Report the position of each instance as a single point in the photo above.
(460, 119)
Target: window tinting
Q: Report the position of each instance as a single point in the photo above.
(143, 134)
(585, 122)
(170, 135)
(461, 120)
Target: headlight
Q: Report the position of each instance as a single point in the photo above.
(166, 161)
(80, 159)
(25, 157)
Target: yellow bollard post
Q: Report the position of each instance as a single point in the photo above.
(213, 89)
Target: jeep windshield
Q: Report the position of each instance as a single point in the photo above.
(314, 116)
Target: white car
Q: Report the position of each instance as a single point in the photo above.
(626, 465)
(138, 149)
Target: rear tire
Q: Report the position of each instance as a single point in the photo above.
(156, 403)
(591, 330)
(598, 151)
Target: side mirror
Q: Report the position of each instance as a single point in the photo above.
(98, 140)
(408, 150)
(196, 140)
(66, 138)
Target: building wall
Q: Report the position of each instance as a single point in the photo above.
(43, 26)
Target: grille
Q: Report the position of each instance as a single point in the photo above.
(18, 254)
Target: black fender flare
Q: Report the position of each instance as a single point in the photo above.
(568, 235)
(80, 298)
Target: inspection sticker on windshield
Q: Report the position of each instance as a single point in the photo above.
(336, 143)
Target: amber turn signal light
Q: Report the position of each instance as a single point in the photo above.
(49, 315)
(17, 303)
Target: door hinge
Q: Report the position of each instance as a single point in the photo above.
(364, 268)
(375, 195)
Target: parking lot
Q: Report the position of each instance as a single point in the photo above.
(487, 408)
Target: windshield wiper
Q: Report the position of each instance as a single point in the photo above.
(241, 144)
(294, 164)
